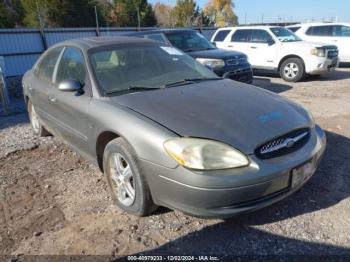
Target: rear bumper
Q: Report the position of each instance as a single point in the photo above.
(230, 192)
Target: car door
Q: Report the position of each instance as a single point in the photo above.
(342, 40)
(43, 81)
(262, 49)
(70, 109)
(239, 41)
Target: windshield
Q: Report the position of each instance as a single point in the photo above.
(284, 34)
(189, 41)
(122, 68)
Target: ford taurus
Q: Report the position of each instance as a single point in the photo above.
(166, 131)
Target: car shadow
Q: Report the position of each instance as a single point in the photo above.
(266, 83)
(17, 114)
(344, 65)
(241, 235)
(331, 76)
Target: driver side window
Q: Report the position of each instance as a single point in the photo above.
(261, 37)
(72, 66)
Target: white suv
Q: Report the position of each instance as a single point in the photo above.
(277, 48)
(331, 33)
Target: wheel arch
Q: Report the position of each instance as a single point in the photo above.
(101, 142)
(287, 57)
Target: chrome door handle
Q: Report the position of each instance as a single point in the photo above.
(253, 47)
(230, 46)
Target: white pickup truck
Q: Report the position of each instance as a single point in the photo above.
(278, 49)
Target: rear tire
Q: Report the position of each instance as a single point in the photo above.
(292, 70)
(37, 127)
(127, 184)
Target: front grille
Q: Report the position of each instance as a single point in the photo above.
(332, 53)
(236, 61)
(283, 145)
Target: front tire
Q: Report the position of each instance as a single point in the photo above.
(37, 127)
(292, 70)
(127, 184)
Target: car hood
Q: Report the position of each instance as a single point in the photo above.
(240, 115)
(306, 44)
(216, 53)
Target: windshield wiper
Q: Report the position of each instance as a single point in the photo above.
(187, 81)
(198, 49)
(134, 88)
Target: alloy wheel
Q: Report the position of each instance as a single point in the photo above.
(34, 120)
(291, 70)
(122, 180)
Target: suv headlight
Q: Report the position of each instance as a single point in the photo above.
(318, 52)
(213, 63)
(203, 154)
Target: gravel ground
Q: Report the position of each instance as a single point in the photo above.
(52, 202)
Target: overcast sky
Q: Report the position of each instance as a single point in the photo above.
(296, 10)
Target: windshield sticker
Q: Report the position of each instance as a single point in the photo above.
(171, 50)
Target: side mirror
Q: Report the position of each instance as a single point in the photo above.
(270, 42)
(70, 86)
(213, 43)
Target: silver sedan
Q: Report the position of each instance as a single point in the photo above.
(166, 131)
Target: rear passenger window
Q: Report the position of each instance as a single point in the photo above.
(47, 65)
(241, 36)
(221, 35)
(320, 30)
(157, 37)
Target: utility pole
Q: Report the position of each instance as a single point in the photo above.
(138, 16)
(245, 18)
(138, 19)
(262, 18)
(97, 26)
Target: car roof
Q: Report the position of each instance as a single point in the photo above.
(249, 27)
(159, 31)
(318, 24)
(92, 42)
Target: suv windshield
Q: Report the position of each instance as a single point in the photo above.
(189, 41)
(284, 35)
(138, 67)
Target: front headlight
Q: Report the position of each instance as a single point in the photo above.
(203, 154)
(318, 52)
(213, 63)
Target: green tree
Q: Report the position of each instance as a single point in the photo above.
(185, 12)
(10, 13)
(62, 13)
(220, 12)
(125, 13)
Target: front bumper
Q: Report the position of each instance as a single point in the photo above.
(318, 66)
(242, 74)
(225, 193)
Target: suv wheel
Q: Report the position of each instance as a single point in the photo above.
(128, 186)
(292, 70)
(37, 127)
